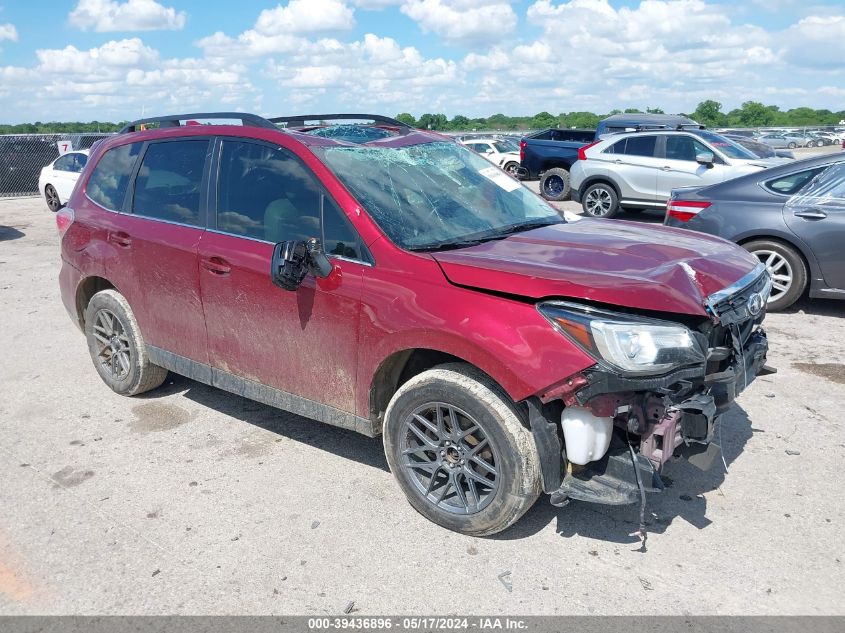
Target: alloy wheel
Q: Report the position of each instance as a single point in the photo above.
(780, 271)
(554, 185)
(598, 202)
(53, 202)
(113, 351)
(449, 458)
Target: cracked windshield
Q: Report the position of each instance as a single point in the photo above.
(436, 196)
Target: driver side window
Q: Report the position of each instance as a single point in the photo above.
(268, 194)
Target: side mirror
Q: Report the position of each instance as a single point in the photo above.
(293, 260)
(705, 158)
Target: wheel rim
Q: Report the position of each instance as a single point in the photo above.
(113, 351)
(52, 198)
(598, 202)
(511, 169)
(554, 185)
(449, 458)
(779, 269)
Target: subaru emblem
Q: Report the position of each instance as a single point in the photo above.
(755, 304)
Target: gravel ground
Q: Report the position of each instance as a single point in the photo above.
(190, 500)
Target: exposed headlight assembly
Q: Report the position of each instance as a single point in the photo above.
(631, 344)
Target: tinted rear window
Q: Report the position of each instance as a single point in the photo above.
(791, 184)
(169, 181)
(108, 182)
(634, 146)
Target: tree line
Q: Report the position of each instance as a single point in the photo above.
(709, 113)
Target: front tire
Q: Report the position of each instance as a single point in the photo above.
(792, 145)
(787, 268)
(459, 451)
(52, 197)
(554, 185)
(600, 201)
(117, 347)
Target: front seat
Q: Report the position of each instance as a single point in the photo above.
(283, 222)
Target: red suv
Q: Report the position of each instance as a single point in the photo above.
(390, 281)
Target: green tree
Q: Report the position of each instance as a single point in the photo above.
(655, 111)
(433, 122)
(543, 120)
(709, 113)
(755, 114)
(633, 111)
(586, 120)
(459, 122)
(407, 119)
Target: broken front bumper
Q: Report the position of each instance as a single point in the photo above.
(653, 419)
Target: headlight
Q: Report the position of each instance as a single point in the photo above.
(634, 345)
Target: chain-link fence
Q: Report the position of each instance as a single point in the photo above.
(23, 155)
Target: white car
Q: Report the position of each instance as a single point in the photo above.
(639, 170)
(498, 151)
(58, 179)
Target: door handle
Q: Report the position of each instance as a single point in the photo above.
(120, 238)
(216, 265)
(811, 214)
(666, 168)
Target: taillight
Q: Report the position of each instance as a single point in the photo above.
(64, 218)
(685, 210)
(522, 145)
(582, 150)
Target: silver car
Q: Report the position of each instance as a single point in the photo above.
(639, 170)
(778, 141)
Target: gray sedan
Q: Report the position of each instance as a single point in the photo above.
(779, 141)
(792, 217)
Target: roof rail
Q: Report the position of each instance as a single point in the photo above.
(174, 120)
(299, 120)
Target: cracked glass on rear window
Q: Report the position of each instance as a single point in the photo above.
(424, 194)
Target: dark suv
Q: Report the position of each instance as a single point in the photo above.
(390, 281)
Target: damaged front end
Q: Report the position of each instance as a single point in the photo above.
(657, 389)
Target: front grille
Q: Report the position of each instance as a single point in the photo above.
(743, 303)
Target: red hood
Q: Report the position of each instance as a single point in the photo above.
(645, 266)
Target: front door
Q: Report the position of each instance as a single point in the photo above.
(680, 169)
(817, 215)
(303, 342)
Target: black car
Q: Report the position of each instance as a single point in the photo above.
(792, 217)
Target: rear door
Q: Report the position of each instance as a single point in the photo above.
(159, 238)
(303, 342)
(817, 215)
(680, 169)
(634, 164)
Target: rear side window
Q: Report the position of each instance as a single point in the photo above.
(634, 146)
(791, 184)
(268, 194)
(169, 181)
(108, 183)
(71, 162)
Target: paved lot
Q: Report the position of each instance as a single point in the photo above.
(190, 500)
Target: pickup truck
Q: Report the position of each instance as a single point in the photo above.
(549, 154)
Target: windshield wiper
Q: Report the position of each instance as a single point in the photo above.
(496, 234)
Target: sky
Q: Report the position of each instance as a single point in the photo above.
(112, 60)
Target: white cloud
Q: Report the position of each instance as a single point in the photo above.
(305, 16)
(132, 15)
(462, 20)
(8, 32)
(816, 42)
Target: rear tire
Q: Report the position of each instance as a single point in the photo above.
(788, 270)
(117, 347)
(554, 184)
(432, 450)
(52, 197)
(600, 201)
(511, 168)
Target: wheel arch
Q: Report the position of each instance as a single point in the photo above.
(402, 365)
(595, 180)
(553, 163)
(86, 289)
(797, 245)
